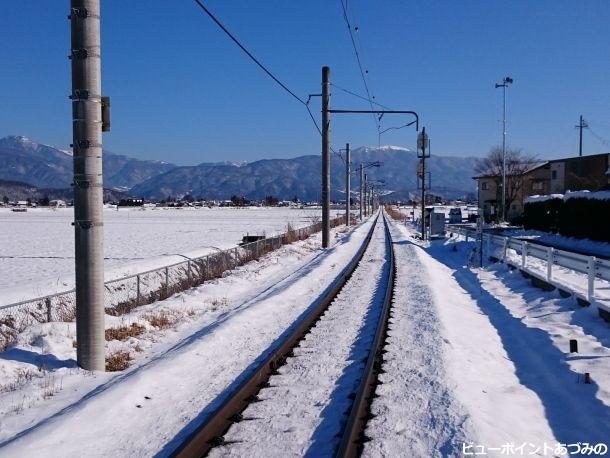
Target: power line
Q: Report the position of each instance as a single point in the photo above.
(601, 139)
(258, 62)
(347, 91)
(366, 86)
(397, 127)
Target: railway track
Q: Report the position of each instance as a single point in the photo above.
(329, 362)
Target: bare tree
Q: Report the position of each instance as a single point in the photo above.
(517, 164)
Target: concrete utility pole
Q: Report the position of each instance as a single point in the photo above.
(581, 125)
(361, 189)
(325, 156)
(347, 184)
(88, 184)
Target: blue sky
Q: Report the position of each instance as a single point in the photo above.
(182, 92)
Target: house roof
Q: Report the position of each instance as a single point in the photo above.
(579, 157)
(531, 168)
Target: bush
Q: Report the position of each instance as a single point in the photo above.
(543, 215)
(586, 218)
(579, 217)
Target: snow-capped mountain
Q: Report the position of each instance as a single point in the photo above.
(300, 176)
(24, 160)
(44, 166)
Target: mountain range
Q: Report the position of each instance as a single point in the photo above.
(24, 160)
(44, 166)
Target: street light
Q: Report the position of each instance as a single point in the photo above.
(505, 82)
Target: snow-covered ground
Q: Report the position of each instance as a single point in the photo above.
(304, 409)
(221, 328)
(477, 360)
(484, 359)
(37, 247)
(585, 246)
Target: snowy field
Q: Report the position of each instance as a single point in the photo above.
(37, 247)
(476, 359)
(216, 331)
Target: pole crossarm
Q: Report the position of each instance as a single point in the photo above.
(381, 112)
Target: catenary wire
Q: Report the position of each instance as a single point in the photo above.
(258, 62)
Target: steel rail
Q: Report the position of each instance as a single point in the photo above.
(210, 433)
(353, 434)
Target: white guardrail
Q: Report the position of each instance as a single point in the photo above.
(546, 259)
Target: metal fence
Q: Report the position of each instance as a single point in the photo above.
(540, 262)
(126, 293)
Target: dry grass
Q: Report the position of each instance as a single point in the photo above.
(118, 361)
(394, 213)
(291, 234)
(50, 386)
(160, 320)
(22, 377)
(124, 332)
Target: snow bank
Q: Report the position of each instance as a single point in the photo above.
(599, 195)
(542, 198)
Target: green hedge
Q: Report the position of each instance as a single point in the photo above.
(575, 217)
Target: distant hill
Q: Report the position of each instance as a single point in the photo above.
(24, 160)
(47, 167)
(16, 190)
(301, 177)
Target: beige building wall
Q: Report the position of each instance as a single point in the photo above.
(558, 177)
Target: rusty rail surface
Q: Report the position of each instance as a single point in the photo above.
(210, 433)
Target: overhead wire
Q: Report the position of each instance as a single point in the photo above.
(347, 91)
(601, 139)
(258, 62)
(359, 61)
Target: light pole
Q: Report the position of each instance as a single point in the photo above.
(505, 82)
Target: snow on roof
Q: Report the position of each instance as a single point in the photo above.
(600, 195)
(539, 198)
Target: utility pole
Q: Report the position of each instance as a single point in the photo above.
(505, 82)
(88, 183)
(366, 199)
(422, 143)
(347, 184)
(361, 188)
(581, 125)
(325, 156)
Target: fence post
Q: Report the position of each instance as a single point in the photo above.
(47, 302)
(166, 280)
(591, 278)
(488, 245)
(138, 290)
(504, 248)
(550, 257)
(523, 254)
(188, 271)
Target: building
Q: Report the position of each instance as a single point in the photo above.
(551, 177)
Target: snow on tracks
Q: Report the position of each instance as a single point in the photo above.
(304, 409)
(415, 413)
